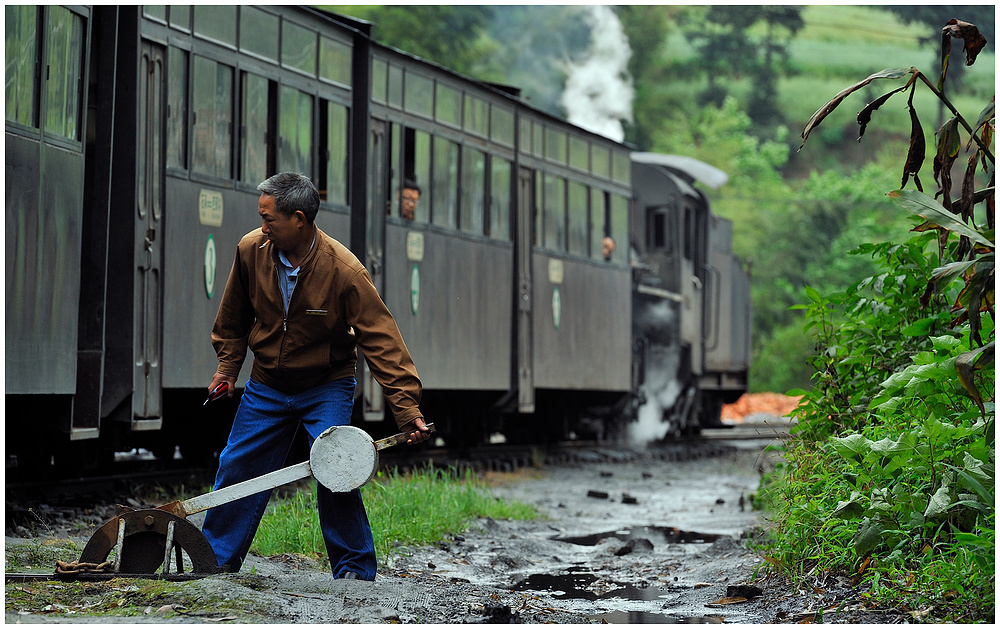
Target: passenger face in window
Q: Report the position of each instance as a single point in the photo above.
(410, 198)
(608, 247)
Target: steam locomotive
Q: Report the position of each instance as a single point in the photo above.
(136, 136)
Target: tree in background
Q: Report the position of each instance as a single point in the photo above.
(445, 34)
(728, 47)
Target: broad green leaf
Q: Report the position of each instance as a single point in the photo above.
(945, 342)
(919, 328)
(938, 503)
(897, 380)
(974, 467)
(868, 536)
(847, 509)
(852, 445)
(922, 205)
(886, 445)
(880, 500)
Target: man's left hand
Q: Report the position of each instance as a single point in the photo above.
(418, 431)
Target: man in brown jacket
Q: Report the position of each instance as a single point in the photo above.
(302, 302)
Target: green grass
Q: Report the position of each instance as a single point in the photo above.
(409, 509)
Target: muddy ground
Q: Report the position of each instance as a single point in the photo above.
(629, 538)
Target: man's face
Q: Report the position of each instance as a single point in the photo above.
(280, 229)
(409, 203)
(608, 247)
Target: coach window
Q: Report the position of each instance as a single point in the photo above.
(600, 162)
(298, 48)
(380, 76)
(211, 131)
(524, 133)
(21, 50)
(295, 125)
(334, 149)
(416, 167)
(419, 97)
(448, 105)
(555, 213)
(555, 145)
(502, 126)
(253, 130)
(155, 11)
(578, 228)
(621, 167)
(599, 221)
(64, 32)
(177, 103)
(619, 228)
(257, 30)
(335, 61)
(444, 190)
(477, 116)
(500, 198)
(396, 86)
(473, 190)
(180, 16)
(578, 154)
(216, 22)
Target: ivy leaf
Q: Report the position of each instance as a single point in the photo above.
(868, 536)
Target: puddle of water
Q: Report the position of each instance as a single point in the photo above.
(574, 585)
(648, 618)
(665, 534)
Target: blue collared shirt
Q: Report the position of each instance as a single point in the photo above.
(287, 275)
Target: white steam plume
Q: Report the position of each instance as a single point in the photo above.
(599, 92)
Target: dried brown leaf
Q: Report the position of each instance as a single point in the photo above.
(915, 154)
(825, 110)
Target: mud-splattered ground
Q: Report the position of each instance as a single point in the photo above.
(628, 539)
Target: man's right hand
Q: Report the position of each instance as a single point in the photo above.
(218, 379)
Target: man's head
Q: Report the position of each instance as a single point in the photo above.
(292, 193)
(409, 199)
(608, 247)
(287, 207)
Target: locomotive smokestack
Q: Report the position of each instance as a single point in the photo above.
(598, 93)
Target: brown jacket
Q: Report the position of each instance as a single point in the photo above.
(333, 308)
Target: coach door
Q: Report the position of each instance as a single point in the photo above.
(374, 400)
(525, 226)
(148, 316)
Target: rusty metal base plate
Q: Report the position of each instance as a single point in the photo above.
(139, 539)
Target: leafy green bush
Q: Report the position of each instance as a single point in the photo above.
(891, 471)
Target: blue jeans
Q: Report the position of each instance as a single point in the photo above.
(261, 437)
